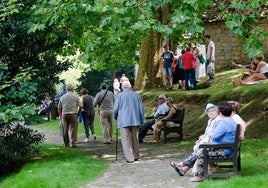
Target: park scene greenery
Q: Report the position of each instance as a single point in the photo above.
(40, 39)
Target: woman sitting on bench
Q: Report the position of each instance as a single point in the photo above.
(159, 124)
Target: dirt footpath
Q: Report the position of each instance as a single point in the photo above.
(152, 169)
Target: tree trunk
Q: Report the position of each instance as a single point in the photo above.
(149, 72)
(150, 63)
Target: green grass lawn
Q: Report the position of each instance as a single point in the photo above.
(57, 166)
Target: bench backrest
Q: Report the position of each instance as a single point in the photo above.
(237, 140)
(179, 116)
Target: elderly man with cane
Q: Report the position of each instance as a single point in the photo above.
(129, 114)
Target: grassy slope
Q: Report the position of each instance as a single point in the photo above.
(253, 101)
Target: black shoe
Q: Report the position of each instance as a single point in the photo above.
(136, 159)
(130, 162)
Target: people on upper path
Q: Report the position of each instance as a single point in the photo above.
(189, 61)
(161, 110)
(129, 114)
(70, 106)
(214, 119)
(116, 86)
(167, 59)
(123, 79)
(88, 113)
(210, 64)
(105, 100)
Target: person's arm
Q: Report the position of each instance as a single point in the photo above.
(116, 107)
(96, 100)
(170, 114)
(260, 65)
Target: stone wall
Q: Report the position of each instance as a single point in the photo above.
(227, 46)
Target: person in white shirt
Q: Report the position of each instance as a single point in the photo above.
(210, 64)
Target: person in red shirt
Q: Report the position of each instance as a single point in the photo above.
(188, 61)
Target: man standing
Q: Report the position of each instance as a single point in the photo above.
(167, 58)
(161, 110)
(129, 114)
(210, 64)
(69, 106)
(105, 100)
(188, 61)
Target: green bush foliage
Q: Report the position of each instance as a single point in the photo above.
(17, 140)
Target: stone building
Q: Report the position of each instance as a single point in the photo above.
(228, 46)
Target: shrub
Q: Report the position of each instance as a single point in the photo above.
(17, 141)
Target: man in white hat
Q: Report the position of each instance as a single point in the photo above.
(160, 110)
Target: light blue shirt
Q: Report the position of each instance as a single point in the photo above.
(128, 109)
(225, 133)
(162, 109)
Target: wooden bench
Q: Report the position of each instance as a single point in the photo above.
(177, 128)
(235, 159)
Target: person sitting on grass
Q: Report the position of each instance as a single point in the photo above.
(159, 124)
(183, 167)
(261, 72)
(251, 67)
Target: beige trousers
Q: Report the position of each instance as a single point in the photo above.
(106, 117)
(130, 142)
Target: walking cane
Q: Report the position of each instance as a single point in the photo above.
(116, 144)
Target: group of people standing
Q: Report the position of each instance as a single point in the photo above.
(185, 68)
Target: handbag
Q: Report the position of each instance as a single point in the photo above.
(201, 59)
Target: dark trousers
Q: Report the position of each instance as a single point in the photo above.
(70, 121)
(88, 119)
(145, 127)
(189, 75)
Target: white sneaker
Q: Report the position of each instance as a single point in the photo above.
(86, 140)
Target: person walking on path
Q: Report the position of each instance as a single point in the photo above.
(105, 99)
(69, 106)
(129, 114)
(88, 113)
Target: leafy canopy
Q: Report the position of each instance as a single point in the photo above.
(108, 32)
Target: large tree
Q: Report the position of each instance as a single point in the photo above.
(109, 32)
(20, 49)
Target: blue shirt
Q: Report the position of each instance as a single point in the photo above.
(225, 133)
(128, 109)
(162, 109)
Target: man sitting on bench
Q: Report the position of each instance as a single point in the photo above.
(43, 109)
(161, 110)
